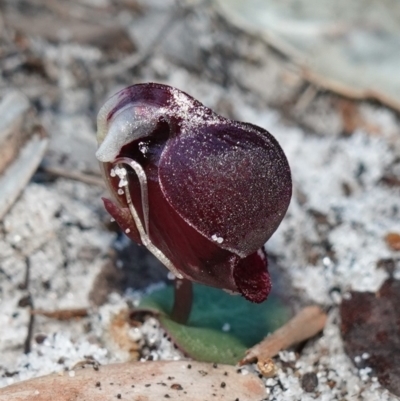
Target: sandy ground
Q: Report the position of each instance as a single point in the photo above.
(59, 250)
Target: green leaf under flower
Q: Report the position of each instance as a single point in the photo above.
(221, 326)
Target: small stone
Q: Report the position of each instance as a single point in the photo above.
(25, 301)
(331, 384)
(40, 338)
(176, 386)
(309, 382)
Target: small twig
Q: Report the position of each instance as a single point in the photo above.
(62, 314)
(28, 339)
(27, 302)
(306, 324)
(25, 284)
(74, 175)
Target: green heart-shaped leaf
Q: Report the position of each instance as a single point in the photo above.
(221, 326)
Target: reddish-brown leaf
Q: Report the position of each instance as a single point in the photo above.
(371, 327)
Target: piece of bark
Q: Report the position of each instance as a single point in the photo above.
(306, 324)
(146, 381)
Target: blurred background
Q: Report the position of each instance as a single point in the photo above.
(67, 57)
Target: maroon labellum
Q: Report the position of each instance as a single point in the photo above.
(201, 192)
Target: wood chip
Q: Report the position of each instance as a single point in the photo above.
(306, 324)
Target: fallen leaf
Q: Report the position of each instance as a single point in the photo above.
(306, 324)
(333, 64)
(371, 332)
(175, 380)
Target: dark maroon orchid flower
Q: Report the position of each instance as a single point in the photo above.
(201, 192)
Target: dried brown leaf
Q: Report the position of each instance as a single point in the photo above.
(306, 324)
(371, 332)
(176, 380)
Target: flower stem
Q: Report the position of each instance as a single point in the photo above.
(183, 299)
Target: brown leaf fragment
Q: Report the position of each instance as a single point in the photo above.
(371, 332)
(352, 118)
(138, 381)
(62, 314)
(393, 241)
(306, 324)
(118, 336)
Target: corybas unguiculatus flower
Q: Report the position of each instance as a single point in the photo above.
(203, 193)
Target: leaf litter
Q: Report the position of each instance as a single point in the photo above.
(370, 329)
